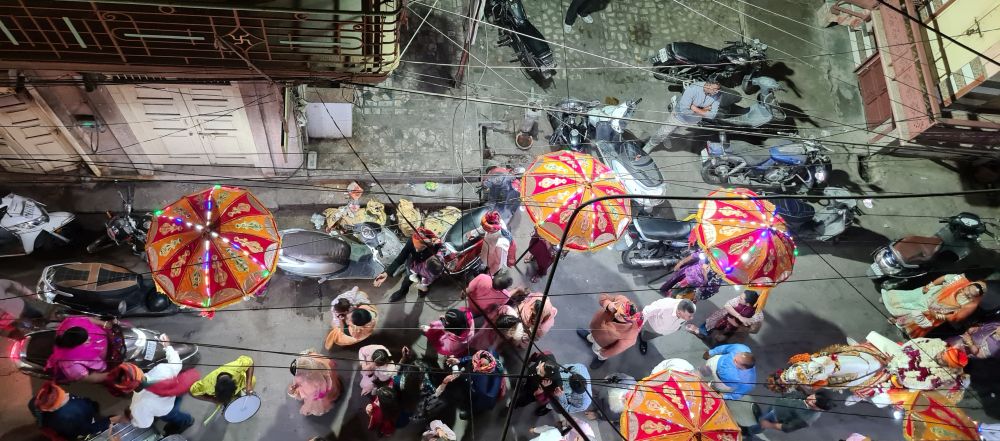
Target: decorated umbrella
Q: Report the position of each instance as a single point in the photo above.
(675, 405)
(558, 182)
(932, 416)
(213, 248)
(744, 241)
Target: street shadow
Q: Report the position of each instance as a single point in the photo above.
(790, 333)
(981, 174)
(855, 243)
(781, 72)
(985, 375)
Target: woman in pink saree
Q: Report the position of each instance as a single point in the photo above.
(80, 351)
(316, 383)
(450, 335)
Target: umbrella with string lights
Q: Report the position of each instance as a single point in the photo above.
(744, 240)
(213, 248)
(558, 182)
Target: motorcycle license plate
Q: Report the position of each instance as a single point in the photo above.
(704, 156)
(876, 270)
(662, 54)
(150, 350)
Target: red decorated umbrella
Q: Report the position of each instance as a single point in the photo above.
(213, 248)
(558, 182)
(677, 406)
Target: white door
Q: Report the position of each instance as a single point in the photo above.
(202, 125)
(30, 141)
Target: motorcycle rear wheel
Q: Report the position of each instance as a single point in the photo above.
(628, 259)
(712, 175)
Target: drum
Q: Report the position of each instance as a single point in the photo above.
(242, 408)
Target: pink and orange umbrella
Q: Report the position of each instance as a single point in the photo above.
(213, 248)
(931, 416)
(743, 240)
(677, 406)
(558, 182)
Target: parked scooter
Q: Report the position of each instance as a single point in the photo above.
(124, 228)
(835, 216)
(781, 164)
(651, 243)
(102, 290)
(25, 220)
(141, 347)
(602, 134)
(514, 31)
(914, 256)
(764, 110)
(683, 61)
(459, 260)
(362, 253)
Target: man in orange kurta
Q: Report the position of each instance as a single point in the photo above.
(613, 329)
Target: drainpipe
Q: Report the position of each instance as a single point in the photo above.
(925, 69)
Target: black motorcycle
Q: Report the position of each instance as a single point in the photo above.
(683, 61)
(102, 290)
(124, 228)
(651, 243)
(532, 51)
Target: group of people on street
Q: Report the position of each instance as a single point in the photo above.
(464, 368)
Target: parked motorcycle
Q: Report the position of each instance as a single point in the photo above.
(514, 31)
(782, 164)
(650, 243)
(683, 61)
(914, 256)
(599, 131)
(124, 228)
(764, 110)
(458, 259)
(141, 347)
(835, 216)
(103, 290)
(362, 253)
(25, 221)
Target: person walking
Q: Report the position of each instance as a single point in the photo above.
(315, 383)
(359, 326)
(383, 412)
(499, 250)
(665, 316)
(476, 386)
(152, 401)
(578, 397)
(532, 310)
(730, 369)
(419, 255)
(64, 416)
(450, 335)
(542, 381)
(699, 101)
(581, 9)
(377, 368)
(738, 318)
(792, 412)
(227, 382)
(486, 293)
(542, 253)
(613, 329)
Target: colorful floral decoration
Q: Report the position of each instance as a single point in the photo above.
(213, 248)
(676, 406)
(558, 182)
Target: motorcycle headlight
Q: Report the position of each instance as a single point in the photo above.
(32, 223)
(820, 174)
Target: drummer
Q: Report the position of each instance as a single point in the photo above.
(225, 383)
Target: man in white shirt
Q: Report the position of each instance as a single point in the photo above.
(663, 317)
(147, 406)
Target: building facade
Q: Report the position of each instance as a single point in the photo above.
(123, 88)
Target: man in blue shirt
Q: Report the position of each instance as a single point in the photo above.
(700, 100)
(66, 415)
(578, 398)
(730, 368)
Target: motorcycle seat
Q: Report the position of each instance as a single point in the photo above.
(663, 229)
(752, 154)
(695, 53)
(914, 250)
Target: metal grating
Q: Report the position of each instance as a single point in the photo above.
(357, 37)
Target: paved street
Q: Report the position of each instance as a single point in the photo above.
(827, 300)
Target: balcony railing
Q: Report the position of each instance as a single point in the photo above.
(357, 37)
